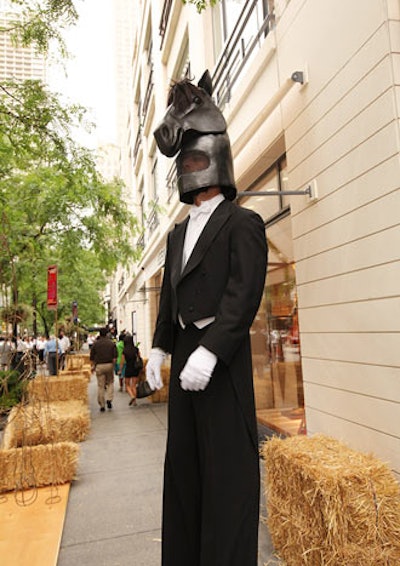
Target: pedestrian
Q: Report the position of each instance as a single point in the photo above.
(65, 344)
(40, 346)
(52, 353)
(103, 355)
(18, 352)
(212, 285)
(130, 357)
(90, 341)
(7, 348)
(120, 371)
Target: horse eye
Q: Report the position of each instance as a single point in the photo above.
(196, 99)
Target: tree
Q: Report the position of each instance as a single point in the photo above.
(201, 4)
(65, 215)
(54, 206)
(41, 22)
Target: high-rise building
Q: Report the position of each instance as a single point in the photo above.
(19, 63)
(123, 47)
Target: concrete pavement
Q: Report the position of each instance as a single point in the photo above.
(114, 509)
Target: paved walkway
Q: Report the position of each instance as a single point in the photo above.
(114, 509)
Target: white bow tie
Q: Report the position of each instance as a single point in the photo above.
(206, 207)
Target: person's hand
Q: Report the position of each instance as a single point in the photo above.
(153, 368)
(198, 370)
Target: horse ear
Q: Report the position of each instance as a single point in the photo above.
(206, 82)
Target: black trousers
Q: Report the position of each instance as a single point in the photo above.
(52, 363)
(211, 474)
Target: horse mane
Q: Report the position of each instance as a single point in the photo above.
(181, 93)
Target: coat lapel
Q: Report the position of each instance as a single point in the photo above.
(211, 229)
(177, 246)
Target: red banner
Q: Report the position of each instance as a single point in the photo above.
(52, 287)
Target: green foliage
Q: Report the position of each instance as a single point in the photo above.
(54, 206)
(201, 4)
(12, 390)
(40, 22)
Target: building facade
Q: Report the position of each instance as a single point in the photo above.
(17, 63)
(310, 91)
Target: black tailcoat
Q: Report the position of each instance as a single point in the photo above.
(211, 481)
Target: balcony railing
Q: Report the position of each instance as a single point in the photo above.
(121, 282)
(164, 19)
(246, 37)
(147, 96)
(153, 220)
(172, 181)
(138, 143)
(141, 241)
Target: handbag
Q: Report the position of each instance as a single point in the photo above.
(143, 389)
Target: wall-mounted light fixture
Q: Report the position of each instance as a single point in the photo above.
(296, 77)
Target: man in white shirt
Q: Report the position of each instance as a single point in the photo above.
(65, 345)
(52, 353)
(40, 346)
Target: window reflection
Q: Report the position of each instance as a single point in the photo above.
(275, 341)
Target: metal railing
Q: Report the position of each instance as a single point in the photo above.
(147, 95)
(164, 19)
(172, 181)
(141, 241)
(238, 50)
(138, 143)
(121, 282)
(153, 219)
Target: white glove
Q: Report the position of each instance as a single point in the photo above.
(198, 369)
(153, 368)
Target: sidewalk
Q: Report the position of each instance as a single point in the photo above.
(114, 509)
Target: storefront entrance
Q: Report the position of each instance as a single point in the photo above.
(278, 381)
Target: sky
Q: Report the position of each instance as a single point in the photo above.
(90, 77)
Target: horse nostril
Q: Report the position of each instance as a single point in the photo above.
(165, 132)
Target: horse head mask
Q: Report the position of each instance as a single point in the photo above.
(195, 127)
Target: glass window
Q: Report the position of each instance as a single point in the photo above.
(239, 29)
(182, 69)
(231, 10)
(278, 381)
(275, 179)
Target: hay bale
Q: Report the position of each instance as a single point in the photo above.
(330, 505)
(84, 372)
(73, 362)
(38, 466)
(43, 423)
(77, 361)
(58, 388)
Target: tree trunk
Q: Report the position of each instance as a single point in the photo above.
(34, 324)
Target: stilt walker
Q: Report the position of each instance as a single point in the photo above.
(213, 282)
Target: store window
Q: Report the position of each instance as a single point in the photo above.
(182, 68)
(276, 348)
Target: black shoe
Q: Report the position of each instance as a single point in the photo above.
(102, 409)
(109, 404)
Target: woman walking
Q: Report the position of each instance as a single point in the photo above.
(120, 349)
(129, 358)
